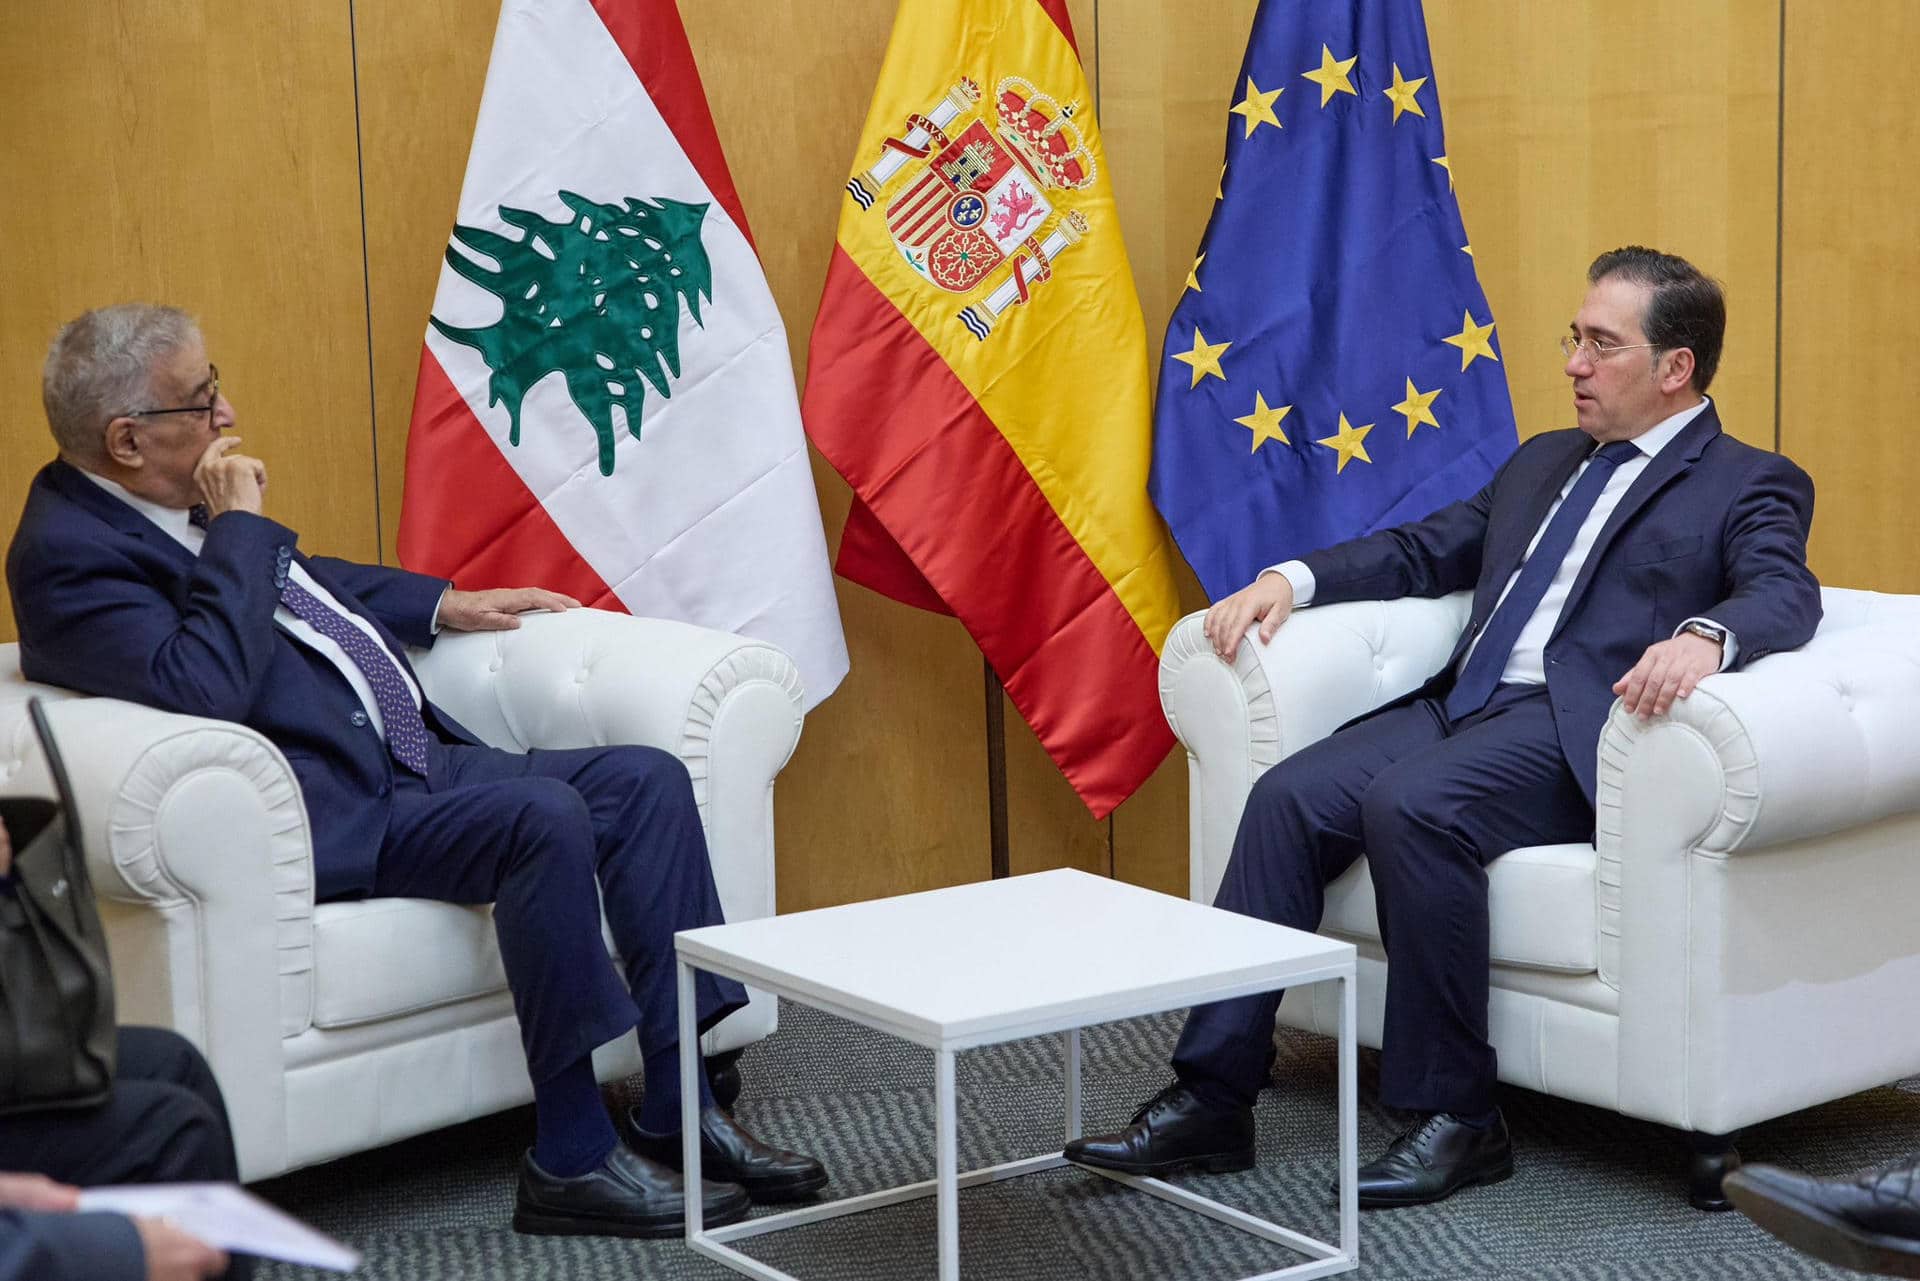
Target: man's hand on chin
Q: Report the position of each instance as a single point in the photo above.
(497, 609)
(1668, 670)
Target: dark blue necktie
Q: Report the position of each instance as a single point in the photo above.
(1481, 674)
(406, 731)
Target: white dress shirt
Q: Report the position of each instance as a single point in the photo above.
(1527, 664)
(175, 524)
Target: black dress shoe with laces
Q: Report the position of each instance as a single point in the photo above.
(626, 1195)
(1868, 1221)
(1434, 1160)
(1173, 1129)
(729, 1153)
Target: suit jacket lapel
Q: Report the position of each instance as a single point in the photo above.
(1664, 468)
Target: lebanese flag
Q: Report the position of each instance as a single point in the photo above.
(978, 373)
(606, 404)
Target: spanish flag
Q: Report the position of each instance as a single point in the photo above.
(978, 373)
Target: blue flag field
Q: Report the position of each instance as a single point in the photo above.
(1332, 367)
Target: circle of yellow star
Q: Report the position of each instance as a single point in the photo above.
(1257, 107)
(1264, 422)
(1193, 275)
(1401, 92)
(1348, 444)
(1438, 160)
(1472, 340)
(1331, 75)
(1418, 407)
(1204, 358)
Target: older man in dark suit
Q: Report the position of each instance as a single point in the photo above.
(144, 569)
(1630, 557)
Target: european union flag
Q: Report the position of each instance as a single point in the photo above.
(1331, 368)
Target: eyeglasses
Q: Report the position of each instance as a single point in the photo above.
(1594, 350)
(213, 399)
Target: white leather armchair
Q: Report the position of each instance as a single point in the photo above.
(1741, 940)
(337, 1027)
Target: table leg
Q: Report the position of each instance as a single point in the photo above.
(690, 1066)
(946, 1166)
(1349, 1122)
(1071, 1045)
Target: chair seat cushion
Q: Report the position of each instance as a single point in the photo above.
(1540, 901)
(384, 957)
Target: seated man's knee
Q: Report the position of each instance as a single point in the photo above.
(1396, 811)
(546, 807)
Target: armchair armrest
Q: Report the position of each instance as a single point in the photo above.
(1325, 666)
(198, 847)
(1756, 879)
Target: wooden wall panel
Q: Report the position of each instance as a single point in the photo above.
(199, 152)
(1166, 73)
(1851, 289)
(1579, 127)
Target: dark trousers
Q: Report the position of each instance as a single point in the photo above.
(547, 838)
(1430, 803)
(165, 1122)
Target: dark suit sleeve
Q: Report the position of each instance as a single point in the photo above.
(1772, 599)
(70, 1247)
(98, 622)
(403, 602)
(1430, 557)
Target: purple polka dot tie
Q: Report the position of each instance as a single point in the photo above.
(406, 732)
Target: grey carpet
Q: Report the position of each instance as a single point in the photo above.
(1596, 1197)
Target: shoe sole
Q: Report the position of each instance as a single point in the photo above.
(774, 1191)
(540, 1224)
(1827, 1237)
(1211, 1163)
(1499, 1174)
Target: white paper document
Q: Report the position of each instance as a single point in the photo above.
(224, 1215)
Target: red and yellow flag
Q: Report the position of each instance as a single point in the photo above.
(978, 373)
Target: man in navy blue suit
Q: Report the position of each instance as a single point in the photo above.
(143, 568)
(1631, 557)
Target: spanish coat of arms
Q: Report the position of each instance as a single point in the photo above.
(981, 198)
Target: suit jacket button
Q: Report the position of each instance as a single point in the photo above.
(358, 719)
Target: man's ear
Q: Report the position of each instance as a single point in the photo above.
(122, 442)
(1676, 369)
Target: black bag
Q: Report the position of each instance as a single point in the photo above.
(57, 1033)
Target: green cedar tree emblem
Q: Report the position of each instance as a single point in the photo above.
(596, 298)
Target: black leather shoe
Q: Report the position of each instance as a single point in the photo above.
(1868, 1221)
(625, 1196)
(729, 1153)
(1173, 1129)
(1434, 1160)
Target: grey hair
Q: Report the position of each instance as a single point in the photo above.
(101, 365)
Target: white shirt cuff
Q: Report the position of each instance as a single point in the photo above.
(1297, 573)
(434, 627)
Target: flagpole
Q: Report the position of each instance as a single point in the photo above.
(997, 772)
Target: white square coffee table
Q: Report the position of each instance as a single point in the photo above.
(974, 965)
